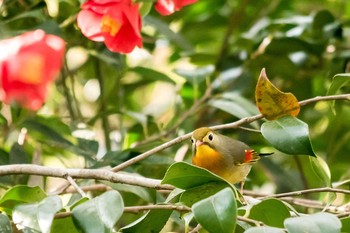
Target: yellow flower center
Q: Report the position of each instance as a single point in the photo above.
(110, 25)
(32, 69)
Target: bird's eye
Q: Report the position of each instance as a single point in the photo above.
(210, 136)
(192, 141)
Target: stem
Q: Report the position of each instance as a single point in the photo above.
(103, 110)
(67, 94)
(235, 19)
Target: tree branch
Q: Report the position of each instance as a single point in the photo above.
(306, 191)
(235, 124)
(98, 174)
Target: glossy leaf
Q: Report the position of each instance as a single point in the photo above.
(153, 221)
(264, 229)
(193, 195)
(273, 103)
(321, 169)
(19, 195)
(289, 135)
(99, 214)
(339, 81)
(320, 222)
(38, 216)
(184, 175)
(218, 212)
(271, 212)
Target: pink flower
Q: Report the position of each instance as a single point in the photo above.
(115, 22)
(167, 7)
(28, 64)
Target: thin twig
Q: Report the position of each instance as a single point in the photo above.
(76, 186)
(235, 124)
(137, 209)
(306, 191)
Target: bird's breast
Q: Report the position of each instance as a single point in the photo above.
(208, 158)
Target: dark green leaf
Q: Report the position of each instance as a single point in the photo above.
(153, 221)
(5, 224)
(320, 222)
(289, 135)
(190, 196)
(65, 225)
(163, 28)
(185, 176)
(18, 155)
(46, 132)
(151, 75)
(38, 216)
(99, 214)
(271, 212)
(218, 212)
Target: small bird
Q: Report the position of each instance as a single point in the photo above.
(226, 157)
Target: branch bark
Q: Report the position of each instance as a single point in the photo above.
(98, 174)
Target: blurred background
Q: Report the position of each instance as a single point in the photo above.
(106, 108)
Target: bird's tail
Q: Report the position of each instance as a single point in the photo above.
(265, 154)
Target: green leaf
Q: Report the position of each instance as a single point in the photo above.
(272, 212)
(38, 216)
(320, 222)
(141, 192)
(99, 214)
(217, 213)
(196, 76)
(153, 221)
(164, 29)
(151, 75)
(185, 176)
(45, 132)
(65, 225)
(339, 81)
(289, 135)
(20, 194)
(345, 222)
(5, 224)
(321, 169)
(264, 229)
(193, 195)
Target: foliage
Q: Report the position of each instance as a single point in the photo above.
(199, 66)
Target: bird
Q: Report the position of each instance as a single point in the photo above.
(226, 157)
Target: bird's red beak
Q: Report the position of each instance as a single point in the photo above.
(199, 143)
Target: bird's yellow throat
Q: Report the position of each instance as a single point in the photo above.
(209, 158)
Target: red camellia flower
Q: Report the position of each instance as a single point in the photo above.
(115, 22)
(167, 7)
(28, 63)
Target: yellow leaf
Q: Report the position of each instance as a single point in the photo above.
(273, 103)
